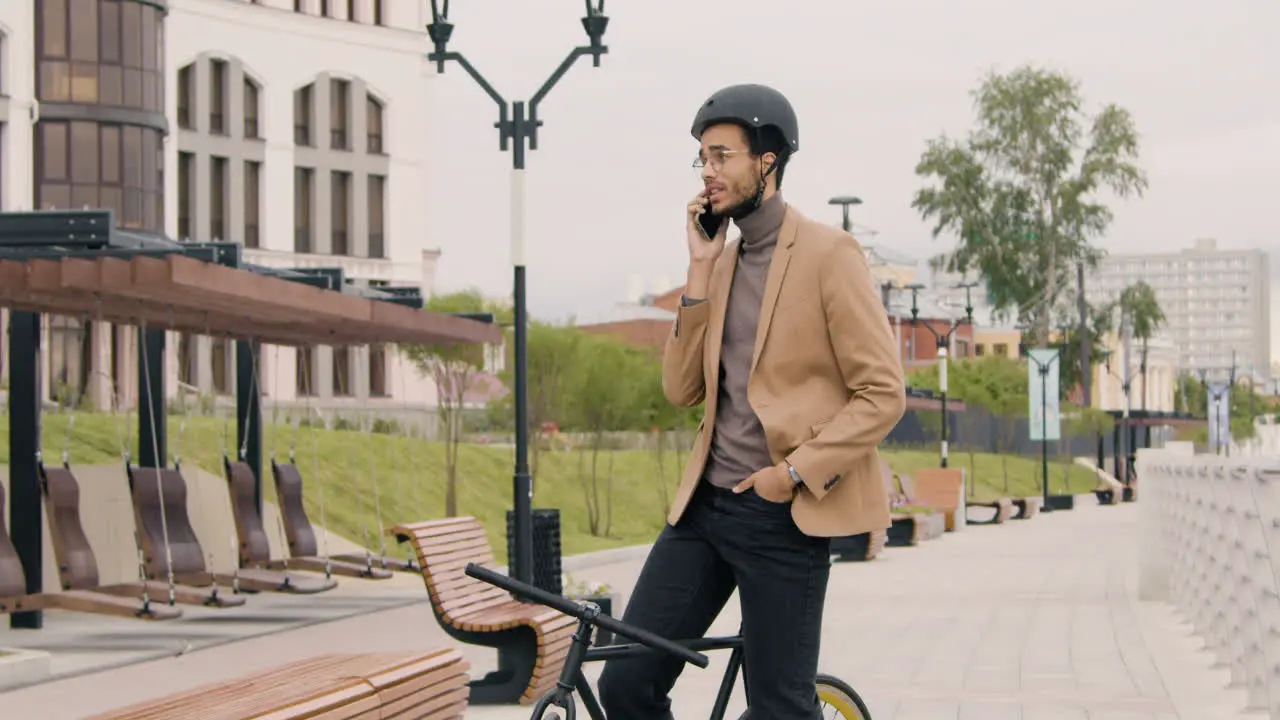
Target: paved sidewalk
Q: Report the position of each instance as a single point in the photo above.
(1033, 620)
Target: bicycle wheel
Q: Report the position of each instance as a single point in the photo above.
(836, 695)
(837, 699)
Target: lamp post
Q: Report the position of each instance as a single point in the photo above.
(1042, 368)
(943, 341)
(1126, 384)
(517, 124)
(846, 201)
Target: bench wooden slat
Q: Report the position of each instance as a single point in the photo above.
(445, 548)
(453, 604)
(332, 687)
(432, 541)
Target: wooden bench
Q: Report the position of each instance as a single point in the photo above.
(859, 548)
(911, 525)
(941, 489)
(1027, 507)
(1003, 508)
(428, 685)
(532, 640)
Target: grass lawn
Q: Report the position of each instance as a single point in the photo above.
(342, 465)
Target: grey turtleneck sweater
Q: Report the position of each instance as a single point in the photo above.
(738, 444)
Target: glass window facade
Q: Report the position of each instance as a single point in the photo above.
(107, 54)
(98, 165)
(100, 52)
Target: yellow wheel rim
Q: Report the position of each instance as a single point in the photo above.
(836, 699)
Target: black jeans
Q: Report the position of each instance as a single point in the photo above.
(725, 541)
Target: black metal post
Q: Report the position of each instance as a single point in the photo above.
(1086, 342)
(943, 460)
(1124, 432)
(25, 514)
(1116, 457)
(521, 128)
(248, 445)
(522, 483)
(1044, 430)
(153, 436)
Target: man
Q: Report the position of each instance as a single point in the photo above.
(784, 337)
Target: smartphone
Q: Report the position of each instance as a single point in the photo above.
(711, 223)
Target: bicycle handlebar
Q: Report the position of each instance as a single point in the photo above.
(575, 609)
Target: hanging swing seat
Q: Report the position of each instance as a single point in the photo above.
(301, 535)
(160, 508)
(77, 563)
(254, 550)
(14, 597)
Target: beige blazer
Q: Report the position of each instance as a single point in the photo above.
(826, 377)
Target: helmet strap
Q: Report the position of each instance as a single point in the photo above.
(759, 198)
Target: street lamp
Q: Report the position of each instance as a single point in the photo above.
(943, 340)
(1043, 367)
(846, 201)
(516, 126)
(1126, 440)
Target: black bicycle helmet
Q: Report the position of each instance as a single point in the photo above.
(756, 106)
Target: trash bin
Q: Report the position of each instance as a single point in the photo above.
(546, 548)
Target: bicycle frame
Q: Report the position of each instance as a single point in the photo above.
(573, 679)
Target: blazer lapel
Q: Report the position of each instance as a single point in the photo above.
(773, 284)
(721, 281)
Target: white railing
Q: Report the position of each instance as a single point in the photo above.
(1208, 528)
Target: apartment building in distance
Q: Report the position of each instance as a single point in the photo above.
(1216, 301)
(292, 127)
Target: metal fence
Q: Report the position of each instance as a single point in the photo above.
(980, 430)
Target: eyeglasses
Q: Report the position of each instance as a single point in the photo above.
(716, 158)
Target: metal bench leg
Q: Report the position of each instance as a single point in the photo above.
(507, 684)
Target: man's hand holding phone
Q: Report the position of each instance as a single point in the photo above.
(705, 247)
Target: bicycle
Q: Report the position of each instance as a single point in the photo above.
(833, 692)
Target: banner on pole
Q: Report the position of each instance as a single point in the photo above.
(1219, 416)
(1044, 415)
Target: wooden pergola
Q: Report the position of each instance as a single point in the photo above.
(174, 292)
(79, 264)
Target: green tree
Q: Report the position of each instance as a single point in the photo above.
(554, 354)
(662, 422)
(603, 395)
(1139, 302)
(995, 383)
(1020, 193)
(454, 368)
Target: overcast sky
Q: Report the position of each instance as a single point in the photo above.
(870, 83)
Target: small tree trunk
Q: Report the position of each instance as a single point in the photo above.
(608, 522)
(594, 498)
(586, 492)
(451, 465)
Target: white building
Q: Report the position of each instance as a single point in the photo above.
(290, 126)
(1217, 303)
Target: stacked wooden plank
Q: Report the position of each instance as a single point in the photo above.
(388, 686)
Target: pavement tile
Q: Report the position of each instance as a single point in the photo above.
(1030, 620)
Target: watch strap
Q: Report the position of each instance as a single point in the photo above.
(795, 476)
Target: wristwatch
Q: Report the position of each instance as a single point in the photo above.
(795, 476)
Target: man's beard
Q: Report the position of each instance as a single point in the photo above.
(746, 205)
